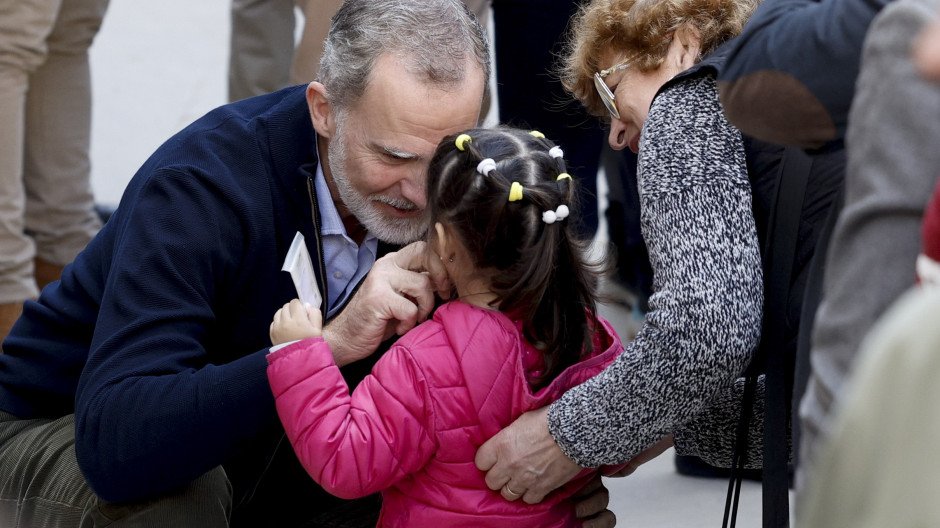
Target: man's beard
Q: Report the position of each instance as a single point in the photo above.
(385, 227)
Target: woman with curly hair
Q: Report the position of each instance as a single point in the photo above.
(648, 66)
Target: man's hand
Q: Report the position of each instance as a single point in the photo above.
(397, 294)
(590, 505)
(523, 460)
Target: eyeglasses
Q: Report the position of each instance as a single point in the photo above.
(607, 96)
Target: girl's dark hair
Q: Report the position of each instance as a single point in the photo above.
(537, 270)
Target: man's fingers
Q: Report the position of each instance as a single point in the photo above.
(416, 288)
(621, 471)
(419, 258)
(604, 519)
(404, 311)
(423, 298)
(588, 489)
(440, 280)
(495, 483)
(413, 257)
(404, 273)
(592, 499)
(403, 326)
(395, 296)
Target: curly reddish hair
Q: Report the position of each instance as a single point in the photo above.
(641, 30)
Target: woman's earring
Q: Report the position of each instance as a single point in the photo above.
(451, 259)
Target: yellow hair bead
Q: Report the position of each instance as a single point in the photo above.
(563, 176)
(461, 141)
(537, 134)
(515, 192)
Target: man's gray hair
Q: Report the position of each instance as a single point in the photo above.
(435, 38)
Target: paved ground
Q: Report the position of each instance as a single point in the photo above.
(657, 496)
(159, 65)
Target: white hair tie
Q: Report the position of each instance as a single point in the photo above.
(556, 152)
(485, 166)
(560, 213)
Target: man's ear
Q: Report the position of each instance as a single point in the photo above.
(321, 111)
(690, 46)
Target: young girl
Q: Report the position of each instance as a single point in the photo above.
(522, 330)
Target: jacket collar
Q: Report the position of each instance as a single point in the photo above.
(710, 65)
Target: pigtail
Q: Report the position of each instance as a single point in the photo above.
(566, 313)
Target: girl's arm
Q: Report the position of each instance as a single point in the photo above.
(353, 445)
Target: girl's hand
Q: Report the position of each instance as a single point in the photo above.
(295, 321)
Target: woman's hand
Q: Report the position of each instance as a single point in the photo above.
(523, 460)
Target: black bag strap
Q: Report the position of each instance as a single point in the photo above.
(779, 255)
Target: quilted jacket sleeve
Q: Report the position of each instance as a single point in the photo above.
(353, 445)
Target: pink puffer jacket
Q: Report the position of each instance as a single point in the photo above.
(411, 428)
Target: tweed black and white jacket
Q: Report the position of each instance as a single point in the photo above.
(681, 374)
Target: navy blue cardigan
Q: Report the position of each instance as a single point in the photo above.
(157, 333)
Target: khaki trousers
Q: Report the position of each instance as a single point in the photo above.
(41, 486)
(263, 57)
(46, 202)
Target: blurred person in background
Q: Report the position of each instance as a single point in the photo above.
(46, 204)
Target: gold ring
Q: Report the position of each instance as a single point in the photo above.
(511, 492)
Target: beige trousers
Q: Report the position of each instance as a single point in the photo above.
(263, 57)
(261, 47)
(46, 202)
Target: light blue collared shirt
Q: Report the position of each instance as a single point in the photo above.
(346, 262)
